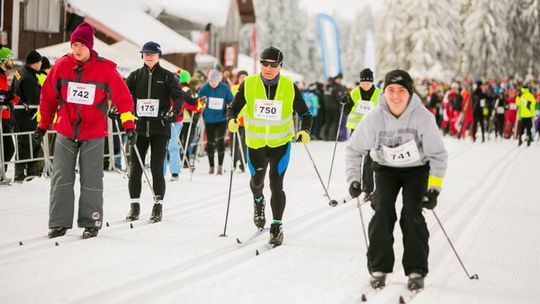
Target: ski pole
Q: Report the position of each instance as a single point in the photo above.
(332, 202)
(335, 146)
(122, 147)
(185, 147)
(240, 148)
(144, 171)
(359, 205)
(474, 276)
(230, 188)
(45, 147)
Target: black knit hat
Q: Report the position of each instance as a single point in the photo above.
(366, 75)
(272, 53)
(33, 57)
(399, 77)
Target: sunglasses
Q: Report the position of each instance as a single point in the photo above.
(272, 64)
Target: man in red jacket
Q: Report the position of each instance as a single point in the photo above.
(77, 90)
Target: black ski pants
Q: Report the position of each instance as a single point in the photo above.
(412, 182)
(367, 174)
(158, 145)
(215, 135)
(258, 161)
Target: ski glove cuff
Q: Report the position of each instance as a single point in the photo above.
(435, 182)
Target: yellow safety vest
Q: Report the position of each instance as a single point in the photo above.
(355, 117)
(273, 132)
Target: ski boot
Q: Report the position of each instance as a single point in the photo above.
(377, 280)
(276, 235)
(156, 213)
(90, 232)
(133, 214)
(211, 170)
(174, 177)
(416, 281)
(56, 232)
(258, 212)
(219, 170)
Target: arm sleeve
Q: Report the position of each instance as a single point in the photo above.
(360, 143)
(50, 100)
(121, 98)
(237, 104)
(175, 93)
(300, 107)
(433, 146)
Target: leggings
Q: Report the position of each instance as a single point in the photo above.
(158, 146)
(215, 133)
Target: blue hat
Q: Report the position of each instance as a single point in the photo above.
(151, 48)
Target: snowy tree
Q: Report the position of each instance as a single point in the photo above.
(531, 17)
(353, 40)
(485, 36)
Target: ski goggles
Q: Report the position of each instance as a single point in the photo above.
(272, 64)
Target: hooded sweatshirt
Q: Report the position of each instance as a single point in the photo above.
(411, 140)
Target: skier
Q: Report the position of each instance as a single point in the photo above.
(77, 90)
(6, 99)
(219, 96)
(358, 103)
(409, 155)
(270, 100)
(152, 88)
(526, 110)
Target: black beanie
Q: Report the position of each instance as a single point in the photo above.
(399, 77)
(272, 53)
(366, 75)
(32, 57)
(45, 63)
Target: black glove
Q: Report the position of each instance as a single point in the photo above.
(8, 96)
(113, 113)
(430, 201)
(131, 137)
(345, 100)
(170, 116)
(355, 189)
(37, 136)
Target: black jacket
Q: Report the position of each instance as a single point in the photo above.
(161, 84)
(25, 84)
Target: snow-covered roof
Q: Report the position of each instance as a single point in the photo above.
(126, 60)
(126, 20)
(200, 11)
(246, 63)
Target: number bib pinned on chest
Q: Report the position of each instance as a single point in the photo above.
(81, 93)
(147, 107)
(268, 109)
(364, 106)
(405, 154)
(215, 103)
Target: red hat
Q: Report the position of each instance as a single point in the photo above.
(84, 33)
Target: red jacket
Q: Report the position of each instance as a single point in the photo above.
(79, 116)
(6, 114)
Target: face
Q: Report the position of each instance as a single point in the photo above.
(150, 59)
(270, 68)
(80, 51)
(366, 85)
(36, 66)
(9, 64)
(397, 98)
(214, 84)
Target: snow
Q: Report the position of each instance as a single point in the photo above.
(200, 11)
(489, 207)
(132, 23)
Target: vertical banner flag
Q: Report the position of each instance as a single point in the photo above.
(369, 51)
(329, 40)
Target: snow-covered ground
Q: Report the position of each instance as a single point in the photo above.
(489, 207)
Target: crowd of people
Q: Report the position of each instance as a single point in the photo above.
(159, 113)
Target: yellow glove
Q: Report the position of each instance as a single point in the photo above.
(303, 136)
(233, 126)
(435, 182)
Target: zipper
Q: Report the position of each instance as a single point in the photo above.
(149, 93)
(78, 72)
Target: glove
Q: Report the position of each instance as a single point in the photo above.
(131, 137)
(430, 200)
(233, 126)
(6, 94)
(345, 100)
(355, 189)
(303, 136)
(113, 113)
(37, 136)
(170, 116)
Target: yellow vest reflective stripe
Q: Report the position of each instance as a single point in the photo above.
(354, 117)
(263, 132)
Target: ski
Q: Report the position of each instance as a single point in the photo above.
(264, 248)
(408, 296)
(252, 237)
(368, 292)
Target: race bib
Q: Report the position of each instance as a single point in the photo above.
(364, 106)
(268, 109)
(513, 106)
(215, 103)
(81, 93)
(147, 107)
(405, 154)
(500, 110)
(482, 103)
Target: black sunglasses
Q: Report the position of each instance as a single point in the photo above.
(272, 64)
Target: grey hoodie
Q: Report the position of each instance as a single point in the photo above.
(380, 130)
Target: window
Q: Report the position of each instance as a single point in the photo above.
(42, 15)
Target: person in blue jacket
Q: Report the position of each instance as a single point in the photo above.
(219, 96)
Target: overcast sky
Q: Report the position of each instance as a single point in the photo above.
(345, 8)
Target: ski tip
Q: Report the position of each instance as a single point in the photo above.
(364, 298)
(131, 225)
(238, 241)
(56, 244)
(257, 252)
(20, 243)
(107, 224)
(401, 300)
(333, 203)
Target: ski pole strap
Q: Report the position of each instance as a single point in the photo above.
(435, 182)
